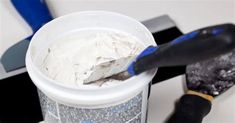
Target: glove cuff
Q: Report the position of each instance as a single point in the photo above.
(205, 96)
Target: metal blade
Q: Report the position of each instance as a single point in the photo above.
(4, 74)
(109, 68)
(14, 57)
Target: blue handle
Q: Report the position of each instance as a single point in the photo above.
(149, 50)
(199, 33)
(34, 12)
(193, 47)
(185, 37)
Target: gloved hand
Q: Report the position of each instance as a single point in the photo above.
(205, 80)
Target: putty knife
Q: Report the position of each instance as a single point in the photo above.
(193, 47)
(36, 14)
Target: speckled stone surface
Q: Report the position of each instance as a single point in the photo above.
(127, 112)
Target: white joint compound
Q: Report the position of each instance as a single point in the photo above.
(70, 60)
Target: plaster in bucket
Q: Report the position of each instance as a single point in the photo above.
(72, 59)
(125, 102)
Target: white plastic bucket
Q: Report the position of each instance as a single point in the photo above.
(123, 103)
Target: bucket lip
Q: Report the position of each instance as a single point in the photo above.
(29, 62)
